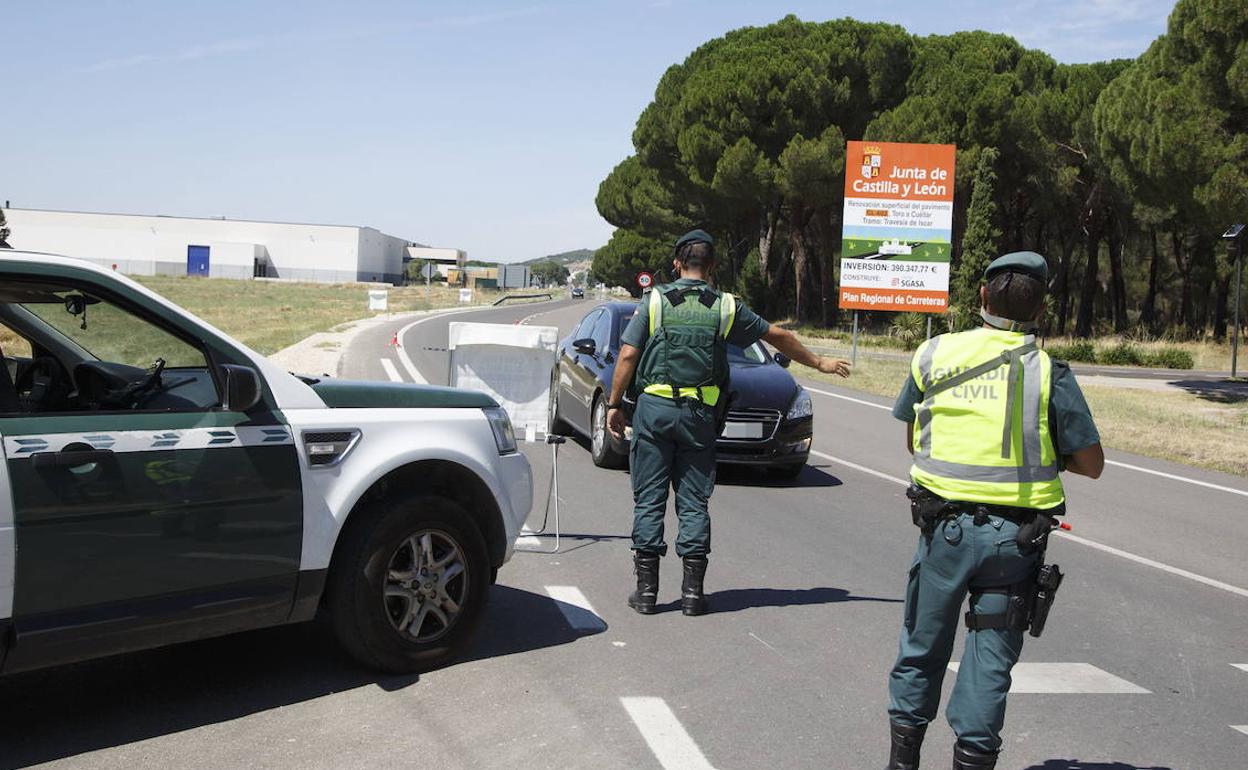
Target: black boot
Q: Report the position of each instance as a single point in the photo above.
(906, 740)
(646, 567)
(692, 598)
(965, 758)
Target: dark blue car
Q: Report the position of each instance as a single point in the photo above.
(769, 418)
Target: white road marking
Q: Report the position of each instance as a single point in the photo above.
(1157, 565)
(1067, 678)
(1241, 666)
(579, 613)
(1242, 728)
(861, 468)
(1116, 463)
(1172, 476)
(1073, 538)
(847, 398)
(664, 734)
(391, 371)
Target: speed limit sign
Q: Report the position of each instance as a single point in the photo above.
(645, 280)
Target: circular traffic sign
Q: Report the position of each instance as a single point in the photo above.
(645, 280)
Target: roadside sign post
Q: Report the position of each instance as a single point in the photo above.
(1235, 240)
(853, 352)
(897, 231)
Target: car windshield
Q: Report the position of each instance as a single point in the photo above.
(752, 356)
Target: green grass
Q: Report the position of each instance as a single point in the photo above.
(1169, 425)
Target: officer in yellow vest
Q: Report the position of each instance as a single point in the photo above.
(991, 420)
(676, 345)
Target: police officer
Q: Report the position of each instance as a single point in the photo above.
(996, 419)
(676, 345)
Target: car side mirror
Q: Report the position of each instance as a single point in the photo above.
(242, 387)
(783, 360)
(585, 346)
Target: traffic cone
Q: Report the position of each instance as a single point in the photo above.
(394, 341)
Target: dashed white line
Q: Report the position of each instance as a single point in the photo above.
(664, 734)
(1238, 591)
(1242, 728)
(576, 608)
(1067, 678)
(1116, 463)
(391, 371)
(1241, 666)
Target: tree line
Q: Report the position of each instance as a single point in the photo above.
(1122, 173)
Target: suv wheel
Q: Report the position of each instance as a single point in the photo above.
(409, 584)
(600, 440)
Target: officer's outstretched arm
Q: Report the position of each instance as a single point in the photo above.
(1089, 461)
(787, 343)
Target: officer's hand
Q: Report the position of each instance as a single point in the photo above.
(833, 366)
(616, 423)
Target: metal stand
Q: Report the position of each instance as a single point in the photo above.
(553, 491)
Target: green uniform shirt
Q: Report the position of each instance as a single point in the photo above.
(1070, 419)
(747, 329)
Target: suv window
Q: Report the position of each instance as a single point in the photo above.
(112, 334)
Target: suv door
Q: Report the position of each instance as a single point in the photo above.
(166, 520)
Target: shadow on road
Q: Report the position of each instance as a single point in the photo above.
(1074, 764)
(63, 712)
(747, 476)
(737, 599)
(1221, 391)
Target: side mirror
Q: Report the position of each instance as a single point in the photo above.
(585, 346)
(783, 360)
(242, 387)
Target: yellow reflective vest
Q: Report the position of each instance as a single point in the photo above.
(981, 432)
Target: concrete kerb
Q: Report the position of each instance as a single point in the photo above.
(320, 354)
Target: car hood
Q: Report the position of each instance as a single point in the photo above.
(350, 394)
(762, 387)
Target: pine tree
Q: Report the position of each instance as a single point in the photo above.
(979, 244)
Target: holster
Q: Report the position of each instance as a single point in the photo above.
(1029, 603)
(926, 507)
(1047, 582)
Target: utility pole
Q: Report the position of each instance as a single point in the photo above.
(1235, 244)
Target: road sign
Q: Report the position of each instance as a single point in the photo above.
(898, 226)
(645, 280)
(378, 300)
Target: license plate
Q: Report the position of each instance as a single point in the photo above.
(743, 430)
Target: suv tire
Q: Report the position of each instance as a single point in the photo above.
(414, 559)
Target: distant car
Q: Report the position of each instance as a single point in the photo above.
(770, 418)
(578, 292)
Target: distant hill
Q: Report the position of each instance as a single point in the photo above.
(566, 258)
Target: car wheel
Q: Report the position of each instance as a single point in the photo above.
(790, 471)
(556, 425)
(600, 441)
(409, 584)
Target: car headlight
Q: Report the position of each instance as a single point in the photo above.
(802, 406)
(500, 423)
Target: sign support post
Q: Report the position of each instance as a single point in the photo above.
(853, 351)
(1234, 238)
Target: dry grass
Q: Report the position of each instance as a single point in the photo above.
(1169, 425)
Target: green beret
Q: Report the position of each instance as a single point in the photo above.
(695, 236)
(1026, 262)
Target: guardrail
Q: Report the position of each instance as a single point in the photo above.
(501, 300)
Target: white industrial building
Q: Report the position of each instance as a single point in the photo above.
(219, 248)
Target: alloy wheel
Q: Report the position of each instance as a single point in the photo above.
(426, 585)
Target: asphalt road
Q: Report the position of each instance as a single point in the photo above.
(1144, 663)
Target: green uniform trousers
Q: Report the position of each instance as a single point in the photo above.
(673, 446)
(957, 558)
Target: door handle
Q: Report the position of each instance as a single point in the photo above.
(70, 459)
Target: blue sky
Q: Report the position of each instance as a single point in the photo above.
(481, 125)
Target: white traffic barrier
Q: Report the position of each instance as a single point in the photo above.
(512, 363)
